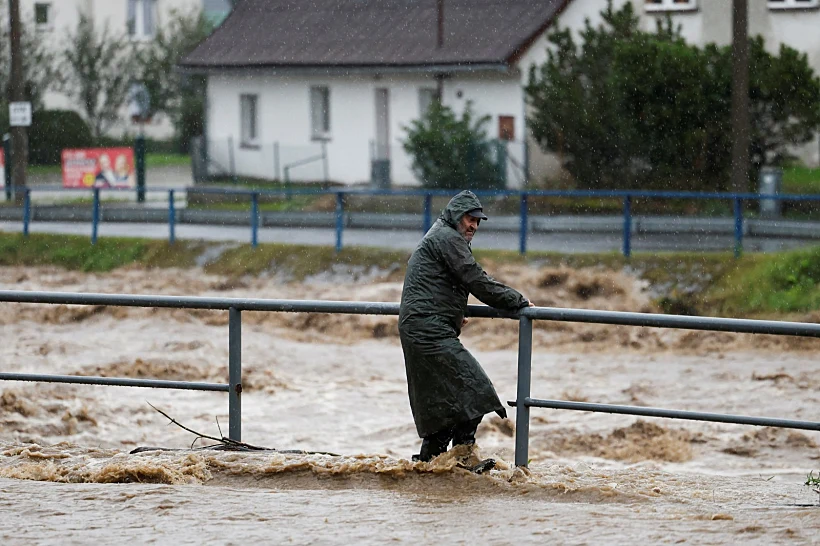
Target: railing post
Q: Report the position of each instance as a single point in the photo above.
(171, 218)
(95, 216)
(340, 214)
(522, 410)
(522, 241)
(627, 226)
(428, 204)
(235, 374)
(26, 211)
(738, 202)
(254, 219)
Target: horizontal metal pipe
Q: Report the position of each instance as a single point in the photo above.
(652, 320)
(380, 308)
(192, 302)
(670, 414)
(114, 381)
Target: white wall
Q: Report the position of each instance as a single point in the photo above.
(113, 13)
(284, 118)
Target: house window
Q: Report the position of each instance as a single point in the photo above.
(42, 15)
(320, 112)
(141, 18)
(793, 4)
(671, 5)
(249, 120)
(427, 96)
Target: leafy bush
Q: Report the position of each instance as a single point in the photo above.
(451, 152)
(53, 130)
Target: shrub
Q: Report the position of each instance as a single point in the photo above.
(452, 153)
(53, 130)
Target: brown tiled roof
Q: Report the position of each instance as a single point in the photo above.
(372, 33)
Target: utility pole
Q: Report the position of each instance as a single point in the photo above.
(439, 45)
(741, 133)
(17, 94)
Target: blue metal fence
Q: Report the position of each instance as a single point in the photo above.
(737, 201)
(526, 317)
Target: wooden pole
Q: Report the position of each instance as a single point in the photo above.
(17, 93)
(741, 133)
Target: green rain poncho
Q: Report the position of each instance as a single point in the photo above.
(445, 382)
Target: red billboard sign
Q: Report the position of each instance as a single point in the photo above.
(98, 168)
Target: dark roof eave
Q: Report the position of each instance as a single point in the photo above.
(435, 68)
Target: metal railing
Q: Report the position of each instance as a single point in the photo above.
(253, 197)
(523, 401)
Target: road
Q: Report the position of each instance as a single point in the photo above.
(407, 239)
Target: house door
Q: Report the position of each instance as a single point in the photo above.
(380, 169)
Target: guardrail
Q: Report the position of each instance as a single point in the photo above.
(627, 196)
(523, 401)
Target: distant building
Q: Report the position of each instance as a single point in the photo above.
(137, 19)
(323, 89)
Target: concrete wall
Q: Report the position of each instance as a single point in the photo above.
(283, 106)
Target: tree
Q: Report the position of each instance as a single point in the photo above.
(784, 99)
(39, 65)
(629, 108)
(177, 95)
(451, 152)
(98, 71)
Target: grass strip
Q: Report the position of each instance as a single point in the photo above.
(774, 285)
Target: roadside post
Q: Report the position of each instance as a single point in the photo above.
(738, 207)
(627, 226)
(254, 219)
(139, 165)
(340, 219)
(95, 216)
(171, 218)
(428, 198)
(26, 211)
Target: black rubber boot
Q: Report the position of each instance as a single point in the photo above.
(434, 445)
(464, 433)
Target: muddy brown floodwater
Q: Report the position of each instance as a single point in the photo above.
(336, 384)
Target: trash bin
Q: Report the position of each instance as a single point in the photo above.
(770, 183)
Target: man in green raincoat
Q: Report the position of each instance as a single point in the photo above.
(449, 391)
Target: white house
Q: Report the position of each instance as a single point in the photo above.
(323, 89)
(138, 20)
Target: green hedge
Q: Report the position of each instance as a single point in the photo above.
(53, 130)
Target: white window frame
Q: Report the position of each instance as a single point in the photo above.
(320, 126)
(793, 4)
(249, 120)
(671, 5)
(136, 23)
(48, 25)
